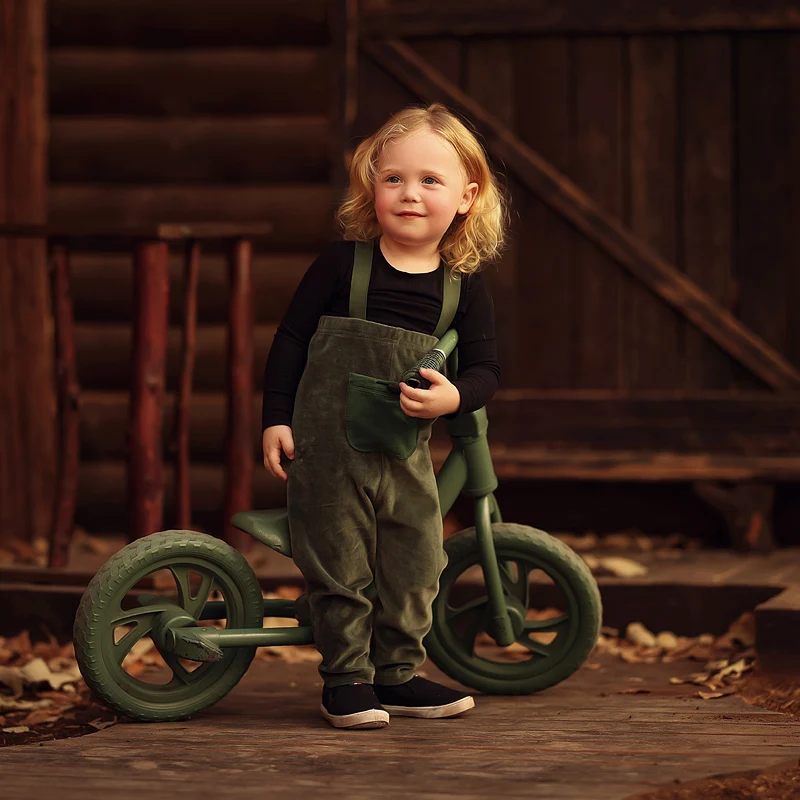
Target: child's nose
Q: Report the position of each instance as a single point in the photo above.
(411, 193)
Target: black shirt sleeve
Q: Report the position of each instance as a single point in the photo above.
(478, 367)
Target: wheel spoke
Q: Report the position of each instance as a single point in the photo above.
(135, 615)
(192, 603)
(467, 609)
(141, 627)
(551, 625)
(180, 675)
(535, 647)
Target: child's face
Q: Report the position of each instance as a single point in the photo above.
(421, 174)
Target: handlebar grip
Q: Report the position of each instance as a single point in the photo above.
(433, 359)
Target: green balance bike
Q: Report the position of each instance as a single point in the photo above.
(517, 610)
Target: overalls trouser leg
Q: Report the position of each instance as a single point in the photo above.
(362, 498)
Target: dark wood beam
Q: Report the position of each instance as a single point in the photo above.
(170, 231)
(344, 52)
(568, 200)
(478, 17)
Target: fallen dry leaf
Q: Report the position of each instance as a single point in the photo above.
(623, 567)
(17, 729)
(638, 634)
(41, 716)
(100, 723)
(10, 704)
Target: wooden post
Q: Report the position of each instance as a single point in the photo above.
(145, 466)
(344, 46)
(239, 434)
(69, 402)
(183, 503)
(28, 417)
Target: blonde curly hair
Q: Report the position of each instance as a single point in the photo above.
(473, 238)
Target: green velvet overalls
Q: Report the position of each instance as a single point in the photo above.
(362, 498)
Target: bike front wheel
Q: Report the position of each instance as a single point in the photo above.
(553, 603)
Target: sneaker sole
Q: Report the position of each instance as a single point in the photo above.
(432, 712)
(373, 718)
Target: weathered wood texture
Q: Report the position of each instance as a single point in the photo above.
(28, 404)
(69, 404)
(587, 737)
(513, 17)
(176, 82)
(153, 24)
(344, 88)
(146, 380)
(749, 425)
(564, 196)
(240, 418)
(183, 397)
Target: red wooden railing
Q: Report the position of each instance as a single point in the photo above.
(150, 248)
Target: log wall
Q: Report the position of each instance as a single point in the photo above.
(679, 124)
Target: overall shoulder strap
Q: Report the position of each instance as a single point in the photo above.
(359, 283)
(451, 294)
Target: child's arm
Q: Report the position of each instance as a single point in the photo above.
(478, 366)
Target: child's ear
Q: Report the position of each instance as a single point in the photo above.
(468, 198)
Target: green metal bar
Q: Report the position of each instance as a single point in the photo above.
(273, 607)
(499, 624)
(253, 637)
(495, 509)
(450, 479)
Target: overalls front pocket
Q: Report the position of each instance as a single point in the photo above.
(375, 421)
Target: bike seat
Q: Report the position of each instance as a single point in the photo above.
(270, 527)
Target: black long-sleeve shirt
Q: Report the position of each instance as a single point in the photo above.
(402, 299)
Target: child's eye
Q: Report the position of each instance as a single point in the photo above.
(430, 178)
(393, 179)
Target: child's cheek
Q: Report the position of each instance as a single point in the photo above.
(382, 205)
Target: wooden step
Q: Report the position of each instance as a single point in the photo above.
(191, 150)
(102, 286)
(102, 490)
(301, 215)
(778, 632)
(189, 82)
(186, 23)
(103, 354)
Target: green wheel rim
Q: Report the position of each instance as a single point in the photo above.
(455, 626)
(101, 654)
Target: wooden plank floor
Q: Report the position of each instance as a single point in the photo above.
(581, 740)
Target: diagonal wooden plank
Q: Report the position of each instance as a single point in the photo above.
(567, 199)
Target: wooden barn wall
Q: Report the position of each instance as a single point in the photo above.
(687, 138)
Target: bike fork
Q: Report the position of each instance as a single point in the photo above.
(498, 623)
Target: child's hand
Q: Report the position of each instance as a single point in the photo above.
(277, 438)
(441, 398)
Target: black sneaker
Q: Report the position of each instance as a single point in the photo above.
(420, 697)
(353, 705)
